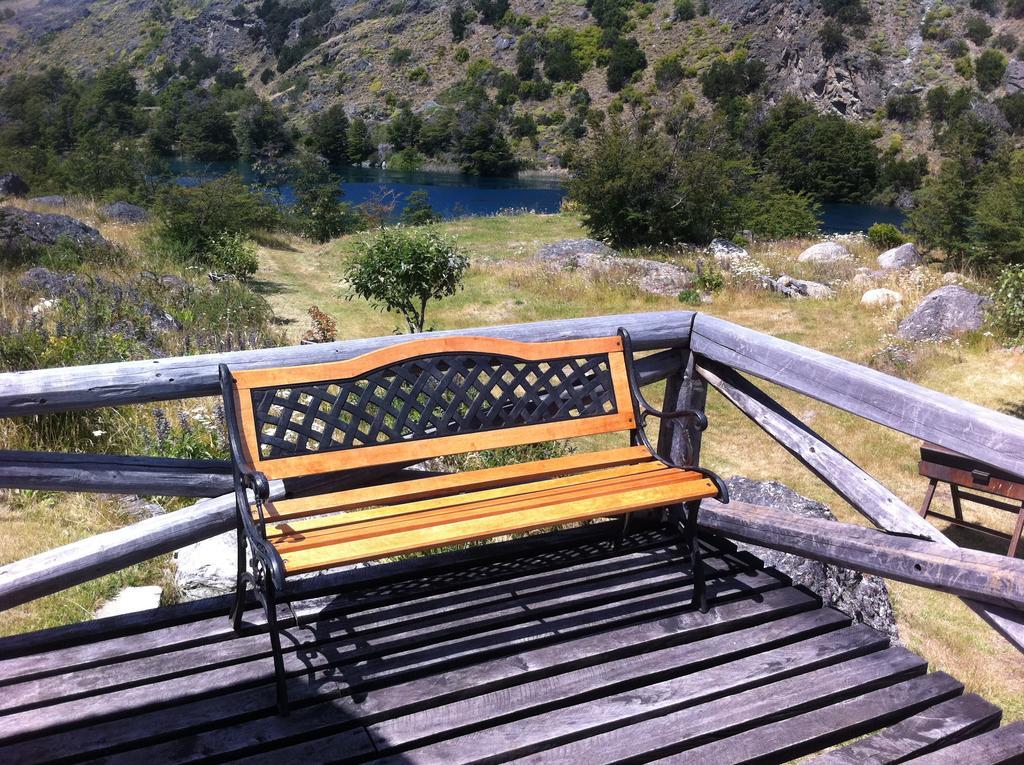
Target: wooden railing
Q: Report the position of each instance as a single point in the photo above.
(694, 352)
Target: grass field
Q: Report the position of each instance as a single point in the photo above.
(506, 285)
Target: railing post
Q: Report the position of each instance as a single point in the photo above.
(679, 440)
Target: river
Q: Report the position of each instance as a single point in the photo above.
(454, 195)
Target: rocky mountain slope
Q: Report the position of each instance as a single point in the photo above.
(371, 54)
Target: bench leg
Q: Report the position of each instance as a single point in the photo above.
(240, 583)
(623, 529)
(700, 598)
(270, 605)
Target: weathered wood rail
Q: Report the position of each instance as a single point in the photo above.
(694, 352)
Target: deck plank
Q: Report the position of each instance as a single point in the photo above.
(812, 731)
(1003, 746)
(937, 726)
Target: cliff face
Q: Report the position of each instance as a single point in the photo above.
(367, 54)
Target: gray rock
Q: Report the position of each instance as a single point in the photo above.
(904, 256)
(129, 600)
(945, 313)
(801, 288)
(726, 252)
(207, 568)
(1013, 79)
(21, 229)
(504, 42)
(53, 200)
(126, 212)
(824, 252)
(596, 257)
(12, 185)
(49, 283)
(863, 597)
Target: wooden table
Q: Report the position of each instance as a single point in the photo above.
(962, 472)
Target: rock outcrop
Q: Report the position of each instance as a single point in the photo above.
(207, 568)
(880, 296)
(945, 313)
(125, 212)
(725, 252)
(801, 288)
(22, 229)
(596, 257)
(52, 200)
(863, 597)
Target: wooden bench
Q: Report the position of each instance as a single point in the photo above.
(962, 472)
(432, 398)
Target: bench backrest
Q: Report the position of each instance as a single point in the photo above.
(427, 398)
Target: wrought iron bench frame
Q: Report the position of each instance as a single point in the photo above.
(261, 566)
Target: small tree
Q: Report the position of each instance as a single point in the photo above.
(417, 211)
(402, 270)
(989, 68)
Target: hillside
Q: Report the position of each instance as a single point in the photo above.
(845, 56)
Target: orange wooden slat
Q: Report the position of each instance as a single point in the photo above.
(465, 498)
(496, 506)
(423, 488)
(317, 558)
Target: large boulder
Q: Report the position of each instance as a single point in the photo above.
(207, 568)
(904, 256)
(125, 212)
(945, 313)
(596, 257)
(863, 597)
(22, 229)
(129, 600)
(12, 185)
(824, 252)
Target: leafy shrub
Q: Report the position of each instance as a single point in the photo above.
(668, 72)
(399, 56)
(885, 236)
(846, 11)
(977, 30)
(683, 10)
(458, 21)
(1012, 107)
(229, 253)
(985, 6)
(626, 59)
(709, 278)
(989, 69)
(689, 296)
(461, 55)
(402, 270)
(732, 77)
(1007, 41)
(774, 212)
(1008, 303)
(903, 108)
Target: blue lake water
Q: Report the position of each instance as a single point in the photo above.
(454, 195)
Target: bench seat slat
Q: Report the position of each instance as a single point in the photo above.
(349, 531)
(464, 499)
(424, 488)
(459, 528)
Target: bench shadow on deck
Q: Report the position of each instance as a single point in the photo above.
(556, 648)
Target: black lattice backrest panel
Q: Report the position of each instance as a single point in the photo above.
(418, 400)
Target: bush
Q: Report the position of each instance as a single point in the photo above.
(709, 278)
(989, 69)
(774, 212)
(458, 21)
(668, 72)
(732, 77)
(1007, 41)
(626, 59)
(190, 222)
(461, 55)
(402, 270)
(903, 108)
(1008, 304)
(229, 253)
(684, 10)
(1012, 107)
(977, 30)
(689, 296)
(884, 236)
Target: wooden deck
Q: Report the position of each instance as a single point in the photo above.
(555, 649)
